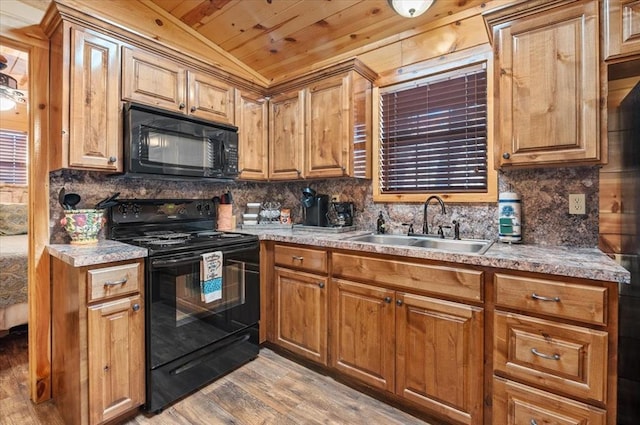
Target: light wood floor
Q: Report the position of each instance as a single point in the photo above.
(269, 390)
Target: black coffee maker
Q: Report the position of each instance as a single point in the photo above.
(341, 214)
(315, 208)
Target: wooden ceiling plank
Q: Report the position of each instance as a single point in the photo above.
(244, 17)
(322, 34)
(295, 18)
(196, 15)
(291, 66)
(177, 7)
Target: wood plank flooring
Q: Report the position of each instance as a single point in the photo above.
(268, 390)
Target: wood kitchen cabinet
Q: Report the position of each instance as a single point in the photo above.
(363, 339)
(253, 135)
(300, 286)
(320, 124)
(621, 19)
(547, 84)
(559, 337)
(422, 348)
(98, 340)
(85, 121)
(157, 81)
(286, 136)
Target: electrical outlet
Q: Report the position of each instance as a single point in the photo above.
(335, 197)
(576, 203)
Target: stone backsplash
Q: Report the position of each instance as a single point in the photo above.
(544, 207)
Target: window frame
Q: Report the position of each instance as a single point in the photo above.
(23, 136)
(432, 68)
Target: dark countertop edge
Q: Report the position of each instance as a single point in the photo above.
(104, 251)
(585, 263)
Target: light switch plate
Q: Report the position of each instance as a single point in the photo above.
(577, 203)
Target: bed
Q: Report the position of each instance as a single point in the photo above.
(13, 266)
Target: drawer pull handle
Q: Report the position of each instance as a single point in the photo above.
(545, 356)
(541, 298)
(297, 258)
(116, 282)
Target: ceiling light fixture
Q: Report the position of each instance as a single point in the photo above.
(410, 8)
(9, 93)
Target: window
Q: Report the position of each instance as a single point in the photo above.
(13, 157)
(433, 138)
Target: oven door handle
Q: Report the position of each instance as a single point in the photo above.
(196, 258)
(176, 261)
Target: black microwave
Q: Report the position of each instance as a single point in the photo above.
(160, 143)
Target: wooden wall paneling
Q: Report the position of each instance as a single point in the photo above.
(35, 43)
(458, 35)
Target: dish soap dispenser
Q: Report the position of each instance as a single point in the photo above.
(380, 225)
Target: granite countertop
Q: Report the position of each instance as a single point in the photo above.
(586, 263)
(104, 251)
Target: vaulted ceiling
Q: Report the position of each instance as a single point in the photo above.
(275, 37)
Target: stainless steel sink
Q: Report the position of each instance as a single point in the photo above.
(385, 239)
(473, 246)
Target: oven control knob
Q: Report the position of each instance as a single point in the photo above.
(207, 207)
(199, 207)
(136, 307)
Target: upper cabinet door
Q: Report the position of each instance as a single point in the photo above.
(547, 87)
(329, 119)
(286, 135)
(153, 80)
(251, 119)
(210, 98)
(622, 28)
(94, 102)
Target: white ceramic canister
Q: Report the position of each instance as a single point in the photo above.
(509, 217)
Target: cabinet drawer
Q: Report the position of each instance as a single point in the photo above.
(514, 403)
(112, 281)
(566, 300)
(451, 281)
(312, 260)
(565, 358)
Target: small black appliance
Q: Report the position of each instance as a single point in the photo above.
(342, 215)
(315, 210)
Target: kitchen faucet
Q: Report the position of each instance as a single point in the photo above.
(425, 225)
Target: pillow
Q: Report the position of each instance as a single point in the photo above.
(13, 219)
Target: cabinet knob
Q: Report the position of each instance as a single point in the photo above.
(112, 159)
(533, 422)
(299, 172)
(321, 285)
(387, 300)
(136, 307)
(181, 105)
(399, 302)
(506, 155)
(193, 109)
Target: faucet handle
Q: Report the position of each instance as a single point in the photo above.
(456, 230)
(410, 230)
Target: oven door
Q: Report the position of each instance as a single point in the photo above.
(179, 322)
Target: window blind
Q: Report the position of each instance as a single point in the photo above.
(13, 157)
(433, 134)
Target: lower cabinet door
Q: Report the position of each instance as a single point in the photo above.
(301, 313)
(515, 404)
(115, 358)
(439, 356)
(363, 332)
